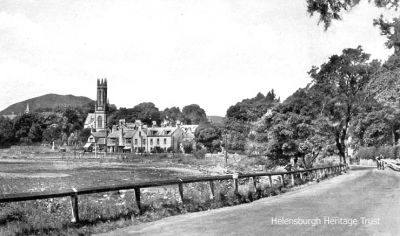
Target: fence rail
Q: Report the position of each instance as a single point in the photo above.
(74, 193)
(392, 164)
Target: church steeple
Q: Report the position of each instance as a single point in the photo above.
(101, 94)
(27, 108)
(101, 105)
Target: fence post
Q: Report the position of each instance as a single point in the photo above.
(211, 189)
(301, 175)
(283, 179)
(180, 187)
(74, 206)
(255, 183)
(270, 180)
(235, 183)
(292, 179)
(137, 197)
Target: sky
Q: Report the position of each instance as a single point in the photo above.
(171, 52)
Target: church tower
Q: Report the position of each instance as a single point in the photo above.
(101, 105)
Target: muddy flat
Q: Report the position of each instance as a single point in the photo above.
(361, 202)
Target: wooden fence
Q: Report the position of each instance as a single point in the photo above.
(315, 173)
(392, 164)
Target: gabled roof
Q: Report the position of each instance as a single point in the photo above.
(129, 133)
(99, 134)
(115, 134)
(161, 131)
(90, 118)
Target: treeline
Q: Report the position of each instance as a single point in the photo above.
(65, 125)
(351, 101)
(60, 125)
(148, 113)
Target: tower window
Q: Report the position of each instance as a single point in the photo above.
(100, 122)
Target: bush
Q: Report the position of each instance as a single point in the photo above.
(200, 154)
(188, 148)
(370, 153)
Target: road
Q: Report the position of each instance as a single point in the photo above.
(369, 196)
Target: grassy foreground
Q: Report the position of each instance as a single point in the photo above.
(107, 211)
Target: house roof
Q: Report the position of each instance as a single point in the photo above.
(129, 133)
(115, 134)
(90, 118)
(161, 131)
(101, 141)
(99, 134)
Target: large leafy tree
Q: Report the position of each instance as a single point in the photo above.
(342, 81)
(209, 135)
(173, 114)
(294, 129)
(147, 112)
(240, 119)
(194, 114)
(52, 133)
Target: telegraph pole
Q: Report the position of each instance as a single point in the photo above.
(226, 150)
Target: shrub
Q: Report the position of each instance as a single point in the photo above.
(370, 153)
(188, 148)
(200, 154)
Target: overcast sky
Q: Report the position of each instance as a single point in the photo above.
(170, 52)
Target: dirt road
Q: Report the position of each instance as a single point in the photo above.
(361, 202)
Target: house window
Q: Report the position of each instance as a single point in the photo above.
(144, 141)
(158, 141)
(135, 141)
(140, 133)
(151, 141)
(165, 141)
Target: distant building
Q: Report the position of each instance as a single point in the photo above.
(131, 137)
(27, 109)
(11, 116)
(98, 119)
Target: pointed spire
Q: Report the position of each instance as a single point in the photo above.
(27, 108)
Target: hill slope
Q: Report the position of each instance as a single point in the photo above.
(216, 119)
(46, 101)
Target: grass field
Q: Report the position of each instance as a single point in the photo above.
(31, 171)
(40, 175)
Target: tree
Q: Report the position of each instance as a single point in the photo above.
(173, 114)
(209, 135)
(252, 109)
(241, 116)
(194, 114)
(147, 112)
(342, 81)
(6, 131)
(35, 133)
(332, 9)
(52, 133)
(292, 129)
(22, 127)
(84, 135)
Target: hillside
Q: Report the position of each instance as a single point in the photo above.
(216, 119)
(46, 101)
